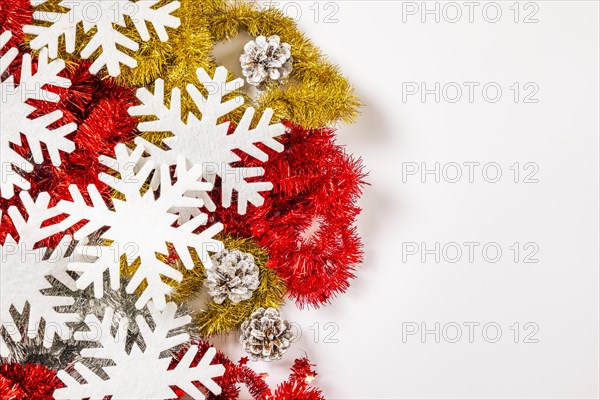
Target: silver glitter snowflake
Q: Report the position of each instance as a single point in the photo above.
(234, 275)
(266, 59)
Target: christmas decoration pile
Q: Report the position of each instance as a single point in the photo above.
(137, 175)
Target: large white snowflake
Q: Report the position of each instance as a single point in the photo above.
(139, 374)
(205, 142)
(140, 226)
(102, 15)
(24, 273)
(15, 120)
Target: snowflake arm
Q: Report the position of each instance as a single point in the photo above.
(91, 273)
(62, 24)
(187, 180)
(32, 229)
(98, 214)
(105, 39)
(167, 119)
(212, 107)
(245, 139)
(159, 18)
(152, 271)
(203, 243)
(184, 374)
(131, 180)
(110, 56)
(139, 374)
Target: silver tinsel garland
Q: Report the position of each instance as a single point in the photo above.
(234, 275)
(265, 335)
(266, 59)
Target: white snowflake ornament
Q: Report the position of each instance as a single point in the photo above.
(206, 143)
(140, 226)
(15, 120)
(139, 374)
(103, 16)
(24, 273)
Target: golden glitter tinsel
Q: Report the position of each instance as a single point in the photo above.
(318, 94)
(321, 95)
(225, 317)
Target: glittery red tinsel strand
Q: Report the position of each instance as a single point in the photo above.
(27, 382)
(308, 220)
(14, 15)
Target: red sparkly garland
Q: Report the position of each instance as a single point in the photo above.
(308, 219)
(14, 15)
(27, 382)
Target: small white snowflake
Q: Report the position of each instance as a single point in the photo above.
(140, 226)
(24, 274)
(139, 374)
(15, 120)
(205, 142)
(102, 15)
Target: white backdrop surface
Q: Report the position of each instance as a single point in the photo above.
(473, 286)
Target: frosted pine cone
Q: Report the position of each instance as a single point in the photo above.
(266, 59)
(265, 335)
(234, 276)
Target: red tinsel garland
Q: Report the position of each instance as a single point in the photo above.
(295, 388)
(27, 382)
(307, 221)
(14, 15)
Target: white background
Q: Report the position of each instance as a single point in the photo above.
(380, 53)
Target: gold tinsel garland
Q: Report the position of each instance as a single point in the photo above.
(225, 317)
(321, 97)
(318, 94)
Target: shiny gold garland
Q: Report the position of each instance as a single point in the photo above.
(226, 317)
(318, 94)
(322, 95)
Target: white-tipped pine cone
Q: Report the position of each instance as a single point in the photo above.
(266, 59)
(265, 335)
(234, 275)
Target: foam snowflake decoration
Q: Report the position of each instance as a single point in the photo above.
(103, 16)
(207, 143)
(139, 373)
(25, 271)
(139, 226)
(15, 120)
